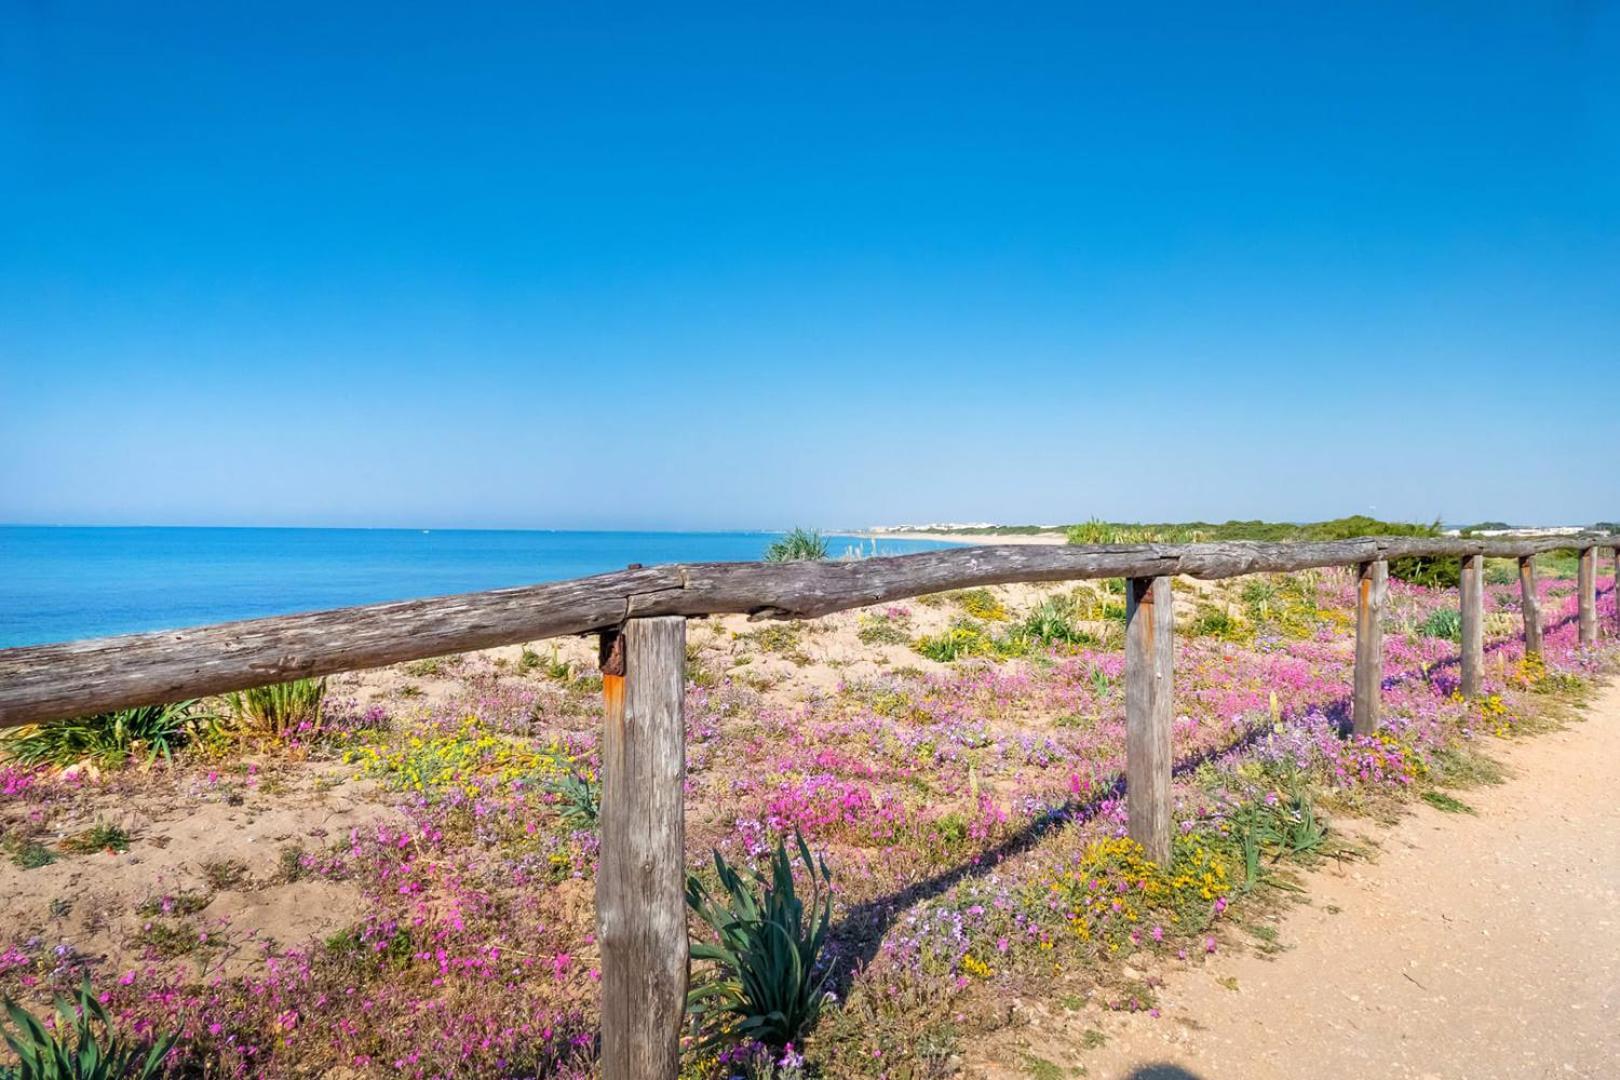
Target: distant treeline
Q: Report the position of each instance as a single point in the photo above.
(1423, 571)
(1097, 531)
(1432, 572)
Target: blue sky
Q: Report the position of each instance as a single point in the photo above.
(600, 266)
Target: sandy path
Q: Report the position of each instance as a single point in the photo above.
(1475, 947)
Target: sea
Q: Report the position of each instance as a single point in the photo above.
(62, 583)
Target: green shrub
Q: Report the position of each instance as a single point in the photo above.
(764, 985)
(105, 738)
(1051, 623)
(1563, 564)
(1430, 573)
(882, 630)
(965, 638)
(28, 854)
(1212, 621)
(1091, 531)
(578, 799)
(980, 604)
(555, 668)
(1102, 608)
(798, 545)
(1442, 623)
(83, 1045)
(280, 709)
(1101, 684)
(1448, 804)
(1259, 595)
(1435, 573)
(1096, 531)
(1287, 828)
(99, 837)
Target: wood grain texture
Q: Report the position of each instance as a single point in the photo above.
(47, 682)
(1586, 587)
(641, 878)
(1372, 583)
(1149, 704)
(1473, 625)
(1530, 605)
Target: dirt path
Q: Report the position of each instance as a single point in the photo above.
(1475, 947)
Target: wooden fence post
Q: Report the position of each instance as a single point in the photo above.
(1473, 624)
(1149, 700)
(1530, 603)
(641, 878)
(1372, 581)
(1587, 588)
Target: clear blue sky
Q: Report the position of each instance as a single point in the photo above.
(595, 266)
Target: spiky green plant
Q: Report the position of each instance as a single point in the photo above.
(1442, 623)
(27, 854)
(579, 799)
(1101, 684)
(798, 545)
(104, 738)
(102, 836)
(1052, 623)
(280, 709)
(83, 1046)
(764, 985)
(1287, 828)
(964, 638)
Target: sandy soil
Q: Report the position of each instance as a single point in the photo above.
(218, 838)
(1475, 947)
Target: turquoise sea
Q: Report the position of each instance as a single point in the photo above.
(63, 583)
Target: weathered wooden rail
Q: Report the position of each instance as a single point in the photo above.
(640, 616)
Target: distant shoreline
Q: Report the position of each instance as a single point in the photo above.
(970, 538)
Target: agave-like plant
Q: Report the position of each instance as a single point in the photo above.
(1052, 623)
(765, 985)
(799, 545)
(104, 738)
(84, 1045)
(1442, 623)
(280, 709)
(578, 799)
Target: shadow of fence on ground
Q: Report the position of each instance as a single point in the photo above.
(855, 939)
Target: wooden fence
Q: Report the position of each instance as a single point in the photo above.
(640, 615)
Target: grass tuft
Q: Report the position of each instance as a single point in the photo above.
(279, 711)
(104, 739)
(1447, 803)
(101, 836)
(82, 1044)
(798, 545)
